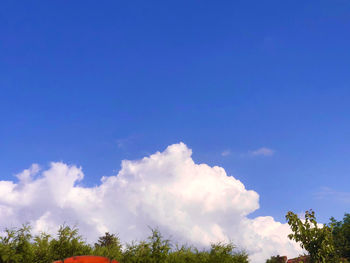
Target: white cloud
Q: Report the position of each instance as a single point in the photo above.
(226, 153)
(124, 143)
(189, 202)
(327, 193)
(262, 152)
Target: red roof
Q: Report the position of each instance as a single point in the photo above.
(304, 259)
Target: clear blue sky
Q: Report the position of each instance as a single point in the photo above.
(92, 83)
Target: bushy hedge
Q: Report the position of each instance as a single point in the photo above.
(20, 246)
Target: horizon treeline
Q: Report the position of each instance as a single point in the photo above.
(18, 245)
(330, 243)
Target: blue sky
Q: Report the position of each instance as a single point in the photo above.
(92, 84)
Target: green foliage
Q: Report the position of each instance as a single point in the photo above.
(41, 247)
(159, 246)
(276, 259)
(341, 236)
(15, 246)
(108, 246)
(318, 241)
(329, 243)
(184, 254)
(137, 253)
(219, 252)
(156, 250)
(224, 253)
(18, 246)
(68, 243)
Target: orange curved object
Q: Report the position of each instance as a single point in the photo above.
(86, 259)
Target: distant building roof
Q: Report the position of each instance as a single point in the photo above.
(304, 259)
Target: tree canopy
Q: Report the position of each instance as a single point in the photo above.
(19, 246)
(325, 243)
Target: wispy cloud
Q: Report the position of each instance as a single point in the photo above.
(226, 153)
(327, 193)
(263, 151)
(125, 142)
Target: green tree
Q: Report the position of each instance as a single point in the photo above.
(68, 243)
(137, 253)
(18, 246)
(41, 248)
(154, 250)
(317, 241)
(219, 252)
(201, 255)
(224, 253)
(15, 246)
(341, 236)
(108, 246)
(276, 259)
(159, 246)
(183, 254)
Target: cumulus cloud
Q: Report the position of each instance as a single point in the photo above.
(188, 202)
(262, 152)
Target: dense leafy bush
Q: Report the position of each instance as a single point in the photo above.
(276, 259)
(341, 236)
(19, 246)
(327, 243)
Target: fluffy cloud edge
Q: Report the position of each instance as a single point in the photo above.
(191, 202)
